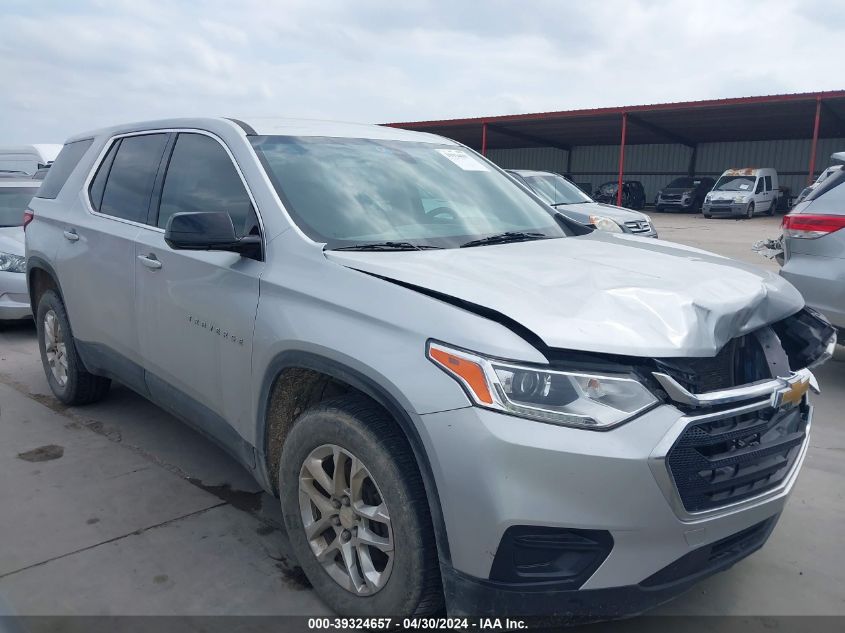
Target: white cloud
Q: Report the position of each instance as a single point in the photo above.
(67, 67)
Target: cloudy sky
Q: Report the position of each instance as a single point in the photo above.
(70, 66)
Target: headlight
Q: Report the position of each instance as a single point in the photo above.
(12, 263)
(740, 199)
(605, 224)
(578, 399)
(707, 198)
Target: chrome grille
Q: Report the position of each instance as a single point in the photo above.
(638, 226)
(720, 462)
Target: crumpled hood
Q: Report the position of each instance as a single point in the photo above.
(12, 240)
(609, 293)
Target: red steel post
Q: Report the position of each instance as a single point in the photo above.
(484, 138)
(621, 159)
(812, 169)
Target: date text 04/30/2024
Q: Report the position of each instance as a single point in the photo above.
(456, 624)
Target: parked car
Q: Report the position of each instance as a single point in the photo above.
(25, 160)
(459, 398)
(743, 192)
(684, 194)
(822, 177)
(14, 198)
(633, 193)
(814, 249)
(566, 197)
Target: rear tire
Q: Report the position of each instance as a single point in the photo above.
(772, 208)
(69, 381)
(359, 434)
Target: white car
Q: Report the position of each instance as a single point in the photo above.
(25, 160)
(15, 195)
(743, 192)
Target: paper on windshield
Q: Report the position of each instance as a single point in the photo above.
(463, 160)
(744, 186)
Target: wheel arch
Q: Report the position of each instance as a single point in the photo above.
(40, 277)
(336, 370)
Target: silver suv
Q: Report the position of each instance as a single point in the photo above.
(814, 249)
(462, 400)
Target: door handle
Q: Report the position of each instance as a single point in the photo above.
(71, 235)
(150, 261)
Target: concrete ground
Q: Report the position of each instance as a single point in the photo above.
(119, 509)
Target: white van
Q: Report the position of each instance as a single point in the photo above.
(743, 192)
(25, 160)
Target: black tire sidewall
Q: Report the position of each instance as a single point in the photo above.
(51, 301)
(329, 425)
(749, 213)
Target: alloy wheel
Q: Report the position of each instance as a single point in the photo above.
(55, 347)
(346, 519)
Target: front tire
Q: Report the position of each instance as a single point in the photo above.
(749, 213)
(356, 511)
(69, 381)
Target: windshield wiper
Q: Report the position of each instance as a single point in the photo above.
(386, 246)
(504, 238)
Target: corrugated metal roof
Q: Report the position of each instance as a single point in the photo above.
(784, 116)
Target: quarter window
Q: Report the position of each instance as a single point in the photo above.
(98, 185)
(129, 184)
(62, 167)
(201, 177)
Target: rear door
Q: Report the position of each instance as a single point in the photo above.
(96, 257)
(196, 309)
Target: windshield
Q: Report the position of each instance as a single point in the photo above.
(682, 183)
(556, 189)
(356, 191)
(735, 183)
(13, 202)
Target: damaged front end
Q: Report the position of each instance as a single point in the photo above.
(747, 415)
(750, 365)
(746, 412)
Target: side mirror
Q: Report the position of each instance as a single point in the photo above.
(207, 231)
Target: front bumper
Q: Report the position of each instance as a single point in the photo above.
(682, 204)
(496, 471)
(732, 210)
(14, 298)
(470, 596)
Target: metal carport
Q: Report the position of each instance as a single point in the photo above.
(691, 124)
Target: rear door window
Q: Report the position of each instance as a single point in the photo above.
(768, 183)
(62, 167)
(202, 177)
(129, 184)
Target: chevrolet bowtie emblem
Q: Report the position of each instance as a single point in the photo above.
(791, 394)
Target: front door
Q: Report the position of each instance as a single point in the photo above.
(196, 309)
